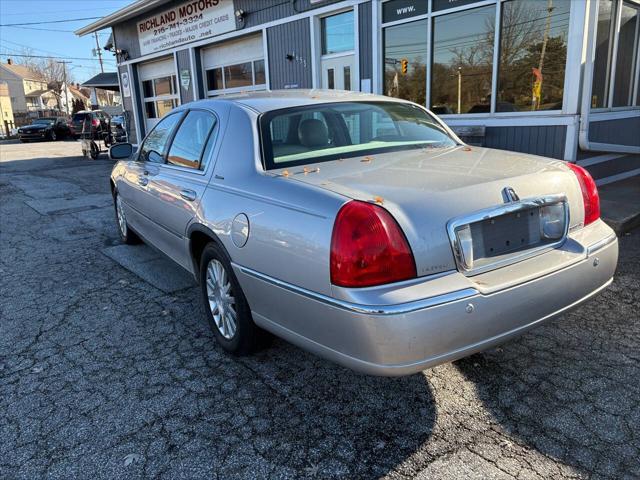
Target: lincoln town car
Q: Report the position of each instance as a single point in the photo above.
(360, 227)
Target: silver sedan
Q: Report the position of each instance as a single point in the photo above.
(360, 227)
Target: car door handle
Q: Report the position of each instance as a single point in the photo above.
(143, 181)
(188, 195)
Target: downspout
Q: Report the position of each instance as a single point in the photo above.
(587, 89)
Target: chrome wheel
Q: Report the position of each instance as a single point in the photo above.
(221, 300)
(122, 221)
(53, 136)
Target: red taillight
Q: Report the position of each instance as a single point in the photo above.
(368, 248)
(590, 195)
(95, 122)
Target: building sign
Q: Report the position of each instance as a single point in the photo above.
(444, 4)
(185, 78)
(185, 23)
(401, 9)
(124, 80)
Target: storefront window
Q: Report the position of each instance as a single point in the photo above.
(338, 33)
(627, 52)
(405, 61)
(163, 86)
(258, 72)
(238, 75)
(147, 88)
(533, 54)
(603, 50)
(463, 61)
(214, 79)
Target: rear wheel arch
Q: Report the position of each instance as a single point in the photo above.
(199, 236)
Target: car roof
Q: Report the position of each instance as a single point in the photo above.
(268, 100)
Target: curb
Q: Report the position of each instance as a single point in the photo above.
(625, 225)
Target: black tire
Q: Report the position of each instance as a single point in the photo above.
(248, 337)
(22, 140)
(127, 236)
(95, 151)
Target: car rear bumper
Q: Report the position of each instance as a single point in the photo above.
(403, 338)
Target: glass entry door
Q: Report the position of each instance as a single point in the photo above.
(337, 72)
(338, 52)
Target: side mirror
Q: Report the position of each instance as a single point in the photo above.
(120, 151)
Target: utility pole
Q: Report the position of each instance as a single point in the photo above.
(459, 89)
(99, 52)
(545, 40)
(66, 87)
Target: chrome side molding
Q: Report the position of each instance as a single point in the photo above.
(397, 309)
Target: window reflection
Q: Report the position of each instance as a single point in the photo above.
(338, 33)
(601, 71)
(406, 42)
(238, 75)
(462, 61)
(533, 53)
(623, 87)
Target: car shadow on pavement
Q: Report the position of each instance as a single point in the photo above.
(341, 423)
(568, 389)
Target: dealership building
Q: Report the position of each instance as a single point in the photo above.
(558, 78)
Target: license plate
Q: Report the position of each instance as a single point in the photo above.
(505, 234)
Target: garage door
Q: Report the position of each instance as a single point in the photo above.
(235, 65)
(159, 89)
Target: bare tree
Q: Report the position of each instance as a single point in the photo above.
(48, 70)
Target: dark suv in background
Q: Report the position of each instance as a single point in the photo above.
(96, 119)
(50, 128)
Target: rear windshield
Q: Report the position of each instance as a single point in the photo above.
(318, 133)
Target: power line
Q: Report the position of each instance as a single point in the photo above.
(45, 56)
(49, 21)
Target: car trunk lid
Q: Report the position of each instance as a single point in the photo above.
(425, 189)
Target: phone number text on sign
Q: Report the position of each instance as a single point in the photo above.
(185, 23)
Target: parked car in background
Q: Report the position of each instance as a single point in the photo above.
(97, 123)
(360, 227)
(50, 128)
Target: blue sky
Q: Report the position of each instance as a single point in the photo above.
(42, 41)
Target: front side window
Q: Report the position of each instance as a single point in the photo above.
(533, 54)
(463, 61)
(155, 145)
(338, 33)
(318, 133)
(405, 61)
(190, 139)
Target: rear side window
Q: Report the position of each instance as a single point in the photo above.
(189, 142)
(155, 145)
(79, 117)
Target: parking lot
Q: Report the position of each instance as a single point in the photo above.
(108, 369)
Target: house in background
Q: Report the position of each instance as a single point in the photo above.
(7, 121)
(30, 96)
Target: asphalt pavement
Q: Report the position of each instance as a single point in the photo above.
(105, 373)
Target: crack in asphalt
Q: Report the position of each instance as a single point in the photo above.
(102, 375)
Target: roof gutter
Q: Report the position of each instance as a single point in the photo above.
(587, 91)
(130, 11)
